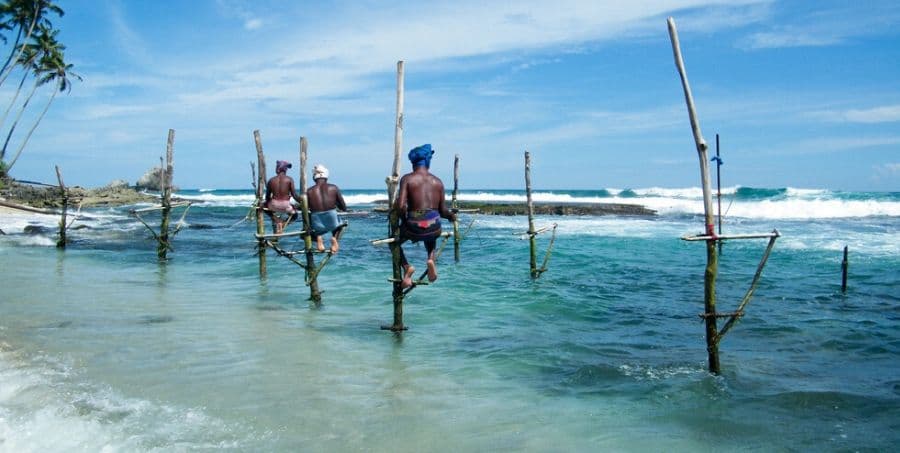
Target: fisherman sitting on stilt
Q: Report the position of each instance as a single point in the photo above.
(420, 206)
(279, 191)
(324, 201)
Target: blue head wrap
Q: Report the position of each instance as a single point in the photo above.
(421, 155)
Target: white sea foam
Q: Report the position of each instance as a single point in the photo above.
(40, 410)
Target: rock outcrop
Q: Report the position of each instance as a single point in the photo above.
(117, 193)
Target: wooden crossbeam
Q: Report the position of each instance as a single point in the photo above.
(725, 237)
(280, 235)
(159, 208)
(526, 234)
(445, 234)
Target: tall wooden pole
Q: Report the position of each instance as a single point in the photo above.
(260, 198)
(845, 264)
(530, 206)
(165, 182)
(393, 182)
(455, 204)
(61, 242)
(314, 294)
(712, 258)
(719, 183)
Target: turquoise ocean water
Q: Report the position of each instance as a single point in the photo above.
(104, 349)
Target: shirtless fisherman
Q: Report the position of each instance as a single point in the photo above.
(420, 206)
(279, 191)
(324, 200)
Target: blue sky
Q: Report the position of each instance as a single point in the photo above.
(803, 93)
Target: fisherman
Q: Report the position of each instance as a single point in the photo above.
(420, 206)
(324, 201)
(279, 191)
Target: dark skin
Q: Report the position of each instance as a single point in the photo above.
(325, 197)
(420, 191)
(280, 187)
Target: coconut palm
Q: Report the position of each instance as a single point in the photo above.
(44, 44)
(24, 16)
(52, 68)
(29, 55)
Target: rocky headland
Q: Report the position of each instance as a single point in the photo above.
(41, 196)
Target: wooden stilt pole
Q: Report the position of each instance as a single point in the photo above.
(530, 206)
(712, 259)
(718, 160)
(260, 198)
(455, 205)
(845, 264)
(314, 294)
(165, 182)
(61, 242)
(393, 182)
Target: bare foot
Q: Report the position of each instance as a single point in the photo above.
(279, 228)
(334, 246)
(407, 278)
(432, 270)
(320, 244)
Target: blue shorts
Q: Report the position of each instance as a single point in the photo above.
(324, 222)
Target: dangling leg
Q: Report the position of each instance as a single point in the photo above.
(335, 246)
(408, 269)
(432, 266)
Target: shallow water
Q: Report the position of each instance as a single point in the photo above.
(102, 348)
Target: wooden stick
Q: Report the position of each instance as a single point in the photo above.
(443, 234)
(455, 207)
(393, 182)
(280, 235)
(529, 204)
(526, 234)
(61, 242)
(166, 190)
(180, 224)
(21, 207)
(157, 208)
(845, 264)
(314, 294)
(260, 194)
(289, 255)
(549, 249)
(712, 259)
(731, 236)
(759, 268)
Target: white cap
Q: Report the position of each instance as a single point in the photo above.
(319, 171)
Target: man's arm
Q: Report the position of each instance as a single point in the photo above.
(339, 199)
(442, 206)
(294, 193)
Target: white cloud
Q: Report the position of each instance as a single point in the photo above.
(253, 24)
(126, 39)
(826, 27)
(887, 114)
(883, 114)
(888, 171)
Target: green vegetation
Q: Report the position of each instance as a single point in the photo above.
(36, 56)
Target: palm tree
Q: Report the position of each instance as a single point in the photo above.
(45, 43)
(52, 68)
(24, 16)
(29, 55)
